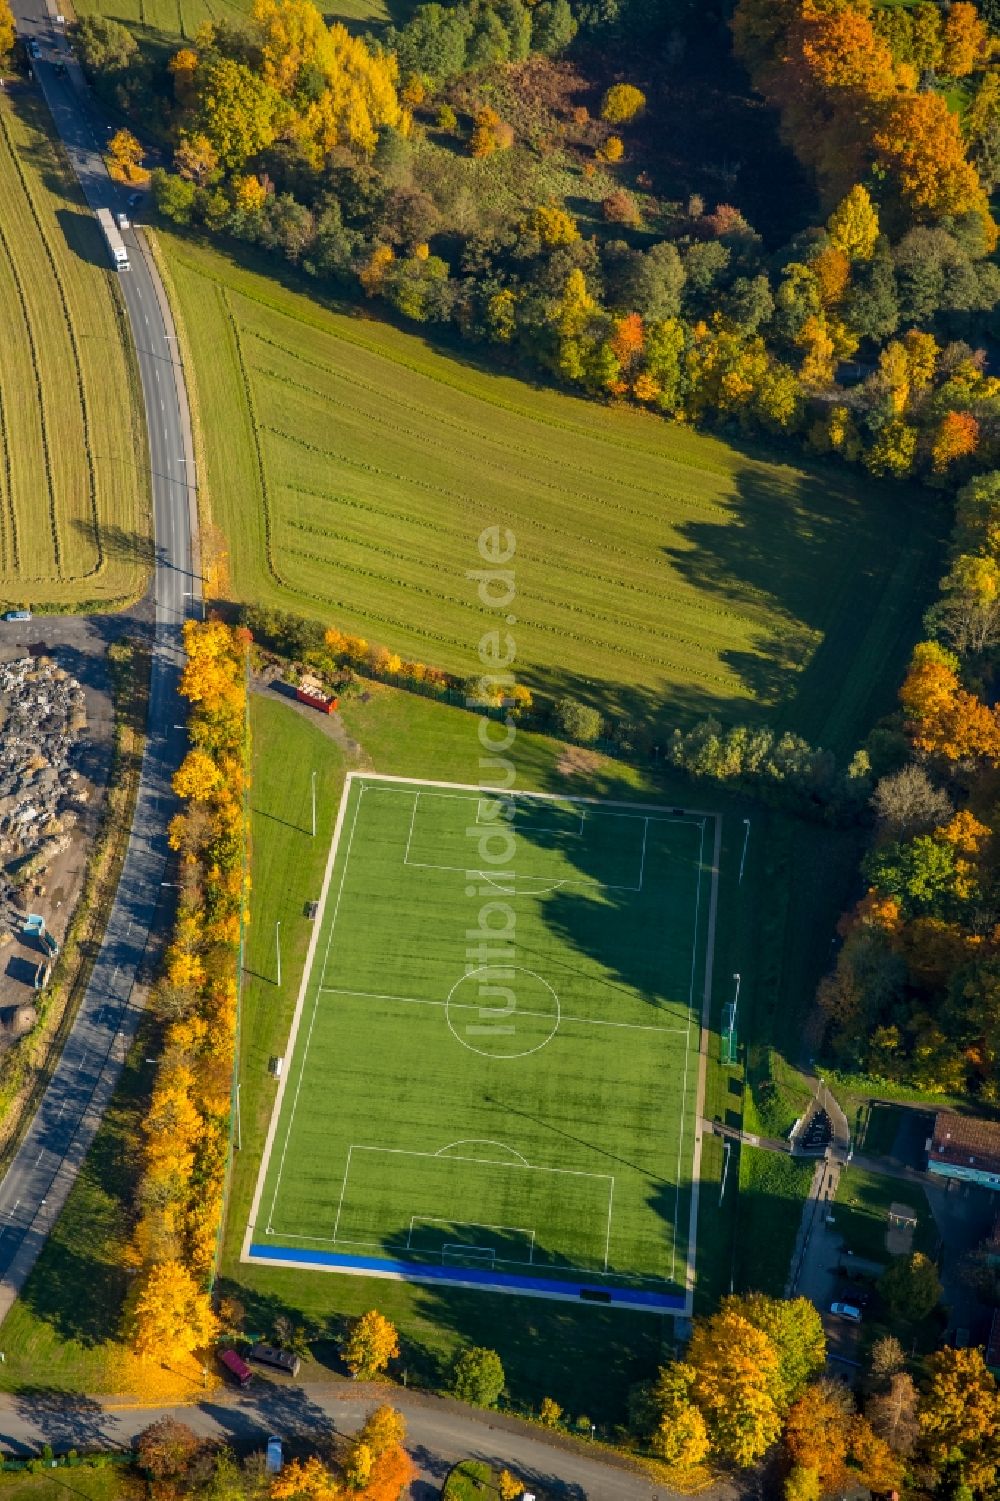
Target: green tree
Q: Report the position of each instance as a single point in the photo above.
(577, 721)
(237, 111)
(553, 26)
(104, 46)
(478, 1376)
(911, 1286)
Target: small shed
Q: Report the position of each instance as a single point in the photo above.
(902, 1217)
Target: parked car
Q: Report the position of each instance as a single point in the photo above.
(278, 1359)
(846, 1311)
(134, 199)
(34, 49)
(272, 1457)
(17, 615)
(236, 1368)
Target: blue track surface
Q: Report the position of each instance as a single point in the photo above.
(408, 1271)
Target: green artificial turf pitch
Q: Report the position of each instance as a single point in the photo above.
(492, 1075)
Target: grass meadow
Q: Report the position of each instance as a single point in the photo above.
(73, 464)
(162, 23)
(660, 573)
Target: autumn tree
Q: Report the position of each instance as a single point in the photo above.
(736, 1385)
(853, 226)
(957, 437)
(671, 1421)
(959, 1416)
(478, 1376)
(795, 1329)
(305, 1480)
(166, 1448)
(370, 1345)
(195, 158)
(125, 157)
(818, 1432)
(509, 1486)
(920, 143)
(172, 1316)
(965, 40)
(7, 32)
(908, 802)
(621, 103)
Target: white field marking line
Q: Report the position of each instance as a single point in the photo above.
(509, 890)
(530, 1167)
(521, 1167)
(409, 837)
(654, 811)
(343, 1190)
(438, 1219)
(467, 1252)
(299, 1007)
(512, 822)
(452, 788)
(486, 1141)
(607, 1238)
(586, 1021)
(687, 1050)
(703, 1034)
(642, 857)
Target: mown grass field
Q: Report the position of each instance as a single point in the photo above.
(659, 573)
(73, 463)
(161, 22)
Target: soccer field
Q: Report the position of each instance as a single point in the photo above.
(492, 1077)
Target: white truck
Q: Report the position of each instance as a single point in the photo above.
(116, 245)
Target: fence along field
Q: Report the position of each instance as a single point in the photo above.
(73, 511)
(536, 1121)
(659, 572)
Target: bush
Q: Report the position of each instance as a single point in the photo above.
(577, 721)
(478, 1376)
(621, 103)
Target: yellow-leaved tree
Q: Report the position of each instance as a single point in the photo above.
(342, 92)
(370, 1345)
(172, 1316)
(6, 28)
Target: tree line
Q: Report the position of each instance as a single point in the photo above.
(179, 1207)
(914, 996)
(312, 144)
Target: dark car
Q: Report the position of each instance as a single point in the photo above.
(134, 199)
(276, 1358)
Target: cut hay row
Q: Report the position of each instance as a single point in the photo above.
(73, 478)
(659, 572)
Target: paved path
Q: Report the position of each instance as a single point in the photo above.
(439, 1432)
(42, 1171)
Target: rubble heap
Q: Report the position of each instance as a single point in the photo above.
(42, 718)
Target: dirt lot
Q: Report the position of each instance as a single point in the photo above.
(78, 646)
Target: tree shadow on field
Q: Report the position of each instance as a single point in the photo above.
(82, 236)
(66, 1420)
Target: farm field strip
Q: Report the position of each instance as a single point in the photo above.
(659, 573)
(73, 472)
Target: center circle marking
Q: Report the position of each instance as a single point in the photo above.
(500, 975)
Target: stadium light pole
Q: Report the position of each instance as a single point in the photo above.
(743, 857)
(314, 803)
(277, 948)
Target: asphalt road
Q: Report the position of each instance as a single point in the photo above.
(40, 1175)
(439, 1432)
